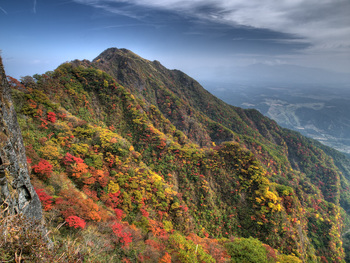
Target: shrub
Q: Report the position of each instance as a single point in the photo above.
(45, 199)
(76, 222)
(43, 169)
(249, 250)
(51, 116)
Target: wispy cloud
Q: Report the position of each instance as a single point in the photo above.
(325, 23)
(34, 7)
(3, 10)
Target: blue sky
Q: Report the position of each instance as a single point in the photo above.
(204, 38)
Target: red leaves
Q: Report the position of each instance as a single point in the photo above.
(270, 253)
(69, 159)
(51, 116)
(43, 168)
(45, 199)
(120, 231)
(144, 213)
(114, 200)
(15, 83)
(119, 214)
(76, 165)
(76, 222)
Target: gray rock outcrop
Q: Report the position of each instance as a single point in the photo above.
(16, 191)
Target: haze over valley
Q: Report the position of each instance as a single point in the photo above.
(317, 111)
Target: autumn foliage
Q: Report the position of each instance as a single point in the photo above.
(43, 169)
(76, 222)
(45, 199)
(51, 116)
(154, 175)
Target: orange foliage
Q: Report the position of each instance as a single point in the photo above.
(78, 169)
(75, 165)
(165, 259)
(156, 228)
(71, 203)
(91, 210)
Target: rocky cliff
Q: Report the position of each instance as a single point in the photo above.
(16, 191)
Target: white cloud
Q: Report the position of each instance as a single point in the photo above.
(325, 23)
(323, 26)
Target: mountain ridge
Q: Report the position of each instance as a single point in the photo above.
(156, 164)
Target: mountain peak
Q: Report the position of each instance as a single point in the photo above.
(115, 53)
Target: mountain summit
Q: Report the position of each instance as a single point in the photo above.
(144, 165)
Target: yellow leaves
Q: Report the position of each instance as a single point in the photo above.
(168, 191)
(254, 167)
(117, 161)
(271, 199)
(80, 149)
(113, 187)
(258, 200)
(243, 171)
(155, 177)
(107, 137)
(205, 185)
(131, 148)
(175, 205)
(168, 226)
(50, 151)
(271, 196)
(274, 207)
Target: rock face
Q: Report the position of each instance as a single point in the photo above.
(16, 191)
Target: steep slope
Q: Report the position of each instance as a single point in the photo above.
(278, 149)
(184, 102)
(144, 157)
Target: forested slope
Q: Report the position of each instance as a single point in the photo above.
(145, 165)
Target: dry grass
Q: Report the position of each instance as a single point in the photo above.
(26, 240)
